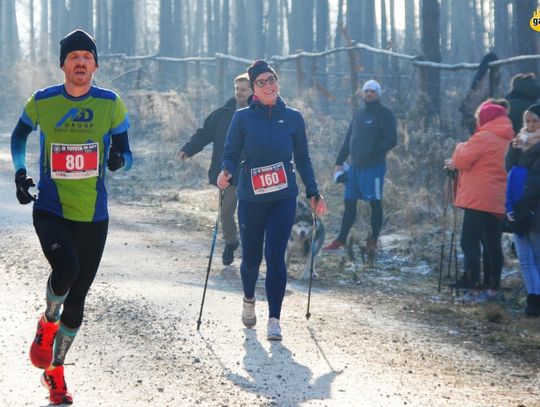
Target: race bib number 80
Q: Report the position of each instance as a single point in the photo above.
(74, 161)
(268, 179)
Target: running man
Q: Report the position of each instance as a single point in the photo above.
(83, 131)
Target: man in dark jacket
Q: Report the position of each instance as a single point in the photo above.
(524, 93)
(214, 131)
(372, 133)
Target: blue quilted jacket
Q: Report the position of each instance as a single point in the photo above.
(267, 135)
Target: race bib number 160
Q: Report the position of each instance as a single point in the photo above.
(74, 161)
(268, 179)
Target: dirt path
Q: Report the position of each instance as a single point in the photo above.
(139, 345)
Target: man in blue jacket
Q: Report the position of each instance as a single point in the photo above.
(371, 134)
(214, 131)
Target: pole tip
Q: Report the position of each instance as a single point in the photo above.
(308, 315)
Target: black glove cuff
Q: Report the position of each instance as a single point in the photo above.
(20, 175)
(315, 195)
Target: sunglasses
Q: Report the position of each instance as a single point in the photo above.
(260, 83)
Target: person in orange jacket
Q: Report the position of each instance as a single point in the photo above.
(481, 193)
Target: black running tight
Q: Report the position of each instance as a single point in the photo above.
(349, 217)
(74, 251)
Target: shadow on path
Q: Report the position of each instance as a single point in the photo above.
(277, 376)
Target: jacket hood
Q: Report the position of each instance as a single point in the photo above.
(526, 88)
(501, 127)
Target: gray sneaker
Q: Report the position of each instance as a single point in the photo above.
(249, 318)
(274, 330)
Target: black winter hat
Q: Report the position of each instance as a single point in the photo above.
(77, 40)
(535, 109)
(260, 66)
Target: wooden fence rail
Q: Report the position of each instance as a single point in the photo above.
(224, 67)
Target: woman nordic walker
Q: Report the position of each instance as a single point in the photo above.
(523, 203)
(83, 130)
(268, 135)
(480, 192)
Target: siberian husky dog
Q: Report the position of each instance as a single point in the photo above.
(301, 238)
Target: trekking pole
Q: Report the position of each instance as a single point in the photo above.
(445, 224)
(451, 175)
(211, 256)
(313, 235)
(455, 255)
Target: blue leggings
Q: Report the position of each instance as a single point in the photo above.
(274, 221)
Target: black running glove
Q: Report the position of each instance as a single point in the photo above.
(23, 184)
(115, 161)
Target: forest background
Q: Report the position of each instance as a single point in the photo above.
(173, 62)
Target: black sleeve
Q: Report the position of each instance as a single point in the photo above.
(202, 136)
(345, 148)
(511, 158)
(388, 138)
(120, 143)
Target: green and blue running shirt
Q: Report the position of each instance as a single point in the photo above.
(75, 137)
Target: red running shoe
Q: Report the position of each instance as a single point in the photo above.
(53, 379)
(41, 351)
(336, 244)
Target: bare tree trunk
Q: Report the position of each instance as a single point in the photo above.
(283, 23)
(59, 14)
(396, 82)
(338, 38)
(44, 31)
(369, 22)
(10, 34)
(384, 28)
(322, 24)
(393, 34)
(462, 32)
(123, 35)
(177, 28)
(188, 12)
(502, 28)
(165, 75)
(445, 18)
(81, 16)
(479, 30)
(102, 25)
(354, 20)
(525, 39)
(218, 21)
(225, 27)
(302, 11)
(32, 31)
(254, 24)
(210, 25)
(430, 78)
(240, 40)
(165, 27)
(410, 28)
(199, 28)
(272, 30)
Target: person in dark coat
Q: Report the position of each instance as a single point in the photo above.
(214, 131)
(371, 135)
(522, 162)
(525, 92)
